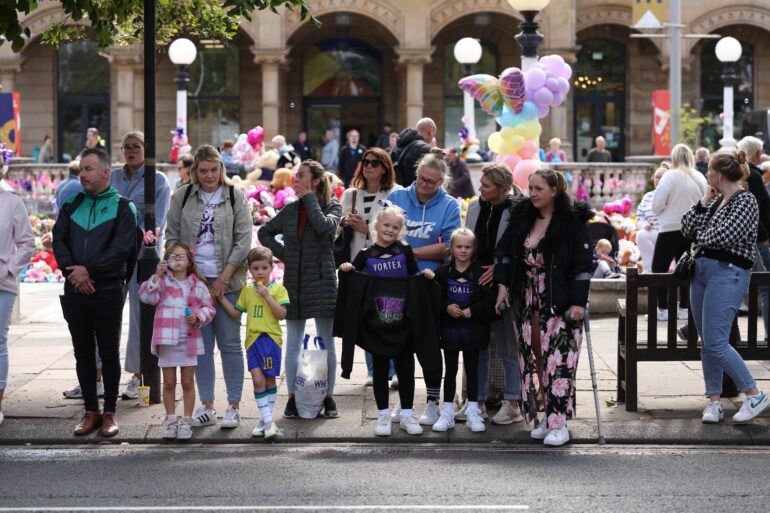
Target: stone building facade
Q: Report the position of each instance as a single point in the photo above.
(376, 61)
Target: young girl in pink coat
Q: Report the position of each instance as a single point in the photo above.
(183, 304)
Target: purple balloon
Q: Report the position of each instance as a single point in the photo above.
(552, 84)
(542, 111)
(529, 96)
(534, 78)
(557, 99)
(554, 66)
(543, 97)
(563, 85)
(565, 71)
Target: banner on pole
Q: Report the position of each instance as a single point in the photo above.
(649, 14)
(661, 126)
(10, 122)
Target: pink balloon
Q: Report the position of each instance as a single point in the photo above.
(534, 78)
(552, 84)
(256, 136)
(510, 160)
(557, 99)
(542, 111)
(529, 150)
(562, 85)
(522, 172)
(565, 71)
(543, 97)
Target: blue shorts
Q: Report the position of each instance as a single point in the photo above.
(264, 354)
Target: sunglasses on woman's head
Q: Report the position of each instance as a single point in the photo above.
(373, 163)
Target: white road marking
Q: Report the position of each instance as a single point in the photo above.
(367, 507)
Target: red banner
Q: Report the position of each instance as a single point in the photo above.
(661, 126)
(10, 124)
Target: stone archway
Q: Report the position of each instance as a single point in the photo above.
(449, 11)
(381, 11)
(612, 14)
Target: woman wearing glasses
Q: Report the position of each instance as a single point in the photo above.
(544, 262)
(212, 217)
(374, 179)
(431, 217)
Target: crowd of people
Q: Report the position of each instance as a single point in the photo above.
(513, 276)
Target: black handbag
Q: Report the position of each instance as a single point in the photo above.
(341, 245)
(685, 266)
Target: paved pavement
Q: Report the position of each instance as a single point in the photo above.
(670, 399)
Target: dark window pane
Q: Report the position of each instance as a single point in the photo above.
(211, 121)
(215, 72)
(342, 67)
(600, 68)
(82, 71)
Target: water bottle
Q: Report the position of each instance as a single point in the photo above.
(187, 311)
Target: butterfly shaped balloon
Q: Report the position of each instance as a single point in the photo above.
(492, 93)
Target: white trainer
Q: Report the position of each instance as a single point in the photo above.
(394, 382)
(462, 414)
(76, 393)
(411, 425)
(132, 388)
(508, 414)
(369, 381)
(557, 437)
(445, 422)
(259, 429)
(395, 414)
(232, 418)
(170, 427)
(204, 417)
(184, 429)
(713, 413)
(752, 407)
(384, 426)
(271, 430)
(475, 423)
(430, 415)
(540, 431)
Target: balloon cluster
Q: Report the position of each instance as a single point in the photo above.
(516, 100)
(248, 147)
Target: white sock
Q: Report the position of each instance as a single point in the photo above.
(449, 409)
(264, 410)
(171, 418)
(384, 413)
(406, 413)
(473, 407)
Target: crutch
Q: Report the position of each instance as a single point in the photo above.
(587, 326)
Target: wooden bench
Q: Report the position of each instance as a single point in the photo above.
(631, 351)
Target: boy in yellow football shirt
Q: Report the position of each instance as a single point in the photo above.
(264, 306)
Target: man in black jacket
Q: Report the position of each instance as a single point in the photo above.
(93, 239)
(350, 154)
(412, 144)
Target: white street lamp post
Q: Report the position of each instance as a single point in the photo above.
(182, 52)
(468, 52)
(529, 38)
(728, 52)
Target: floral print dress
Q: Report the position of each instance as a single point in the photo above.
(555, 350)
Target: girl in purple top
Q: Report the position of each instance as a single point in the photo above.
(390, 257)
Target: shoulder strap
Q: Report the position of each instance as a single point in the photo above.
(187, 192)
(232, 197)
(73, 206)
(353, 205)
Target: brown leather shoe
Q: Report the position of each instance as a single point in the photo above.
(109, 424)
(89, 423)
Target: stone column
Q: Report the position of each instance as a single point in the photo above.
(414, 61)
(272, 63)
(10, 65)
(126, 61)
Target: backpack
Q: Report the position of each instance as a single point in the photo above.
(133, 255)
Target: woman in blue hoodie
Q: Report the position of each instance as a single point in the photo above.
(431, 216)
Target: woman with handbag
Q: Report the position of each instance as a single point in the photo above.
(678, 190)
(307, 227)
(724, 226)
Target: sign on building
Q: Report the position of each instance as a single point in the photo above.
(10, 122)
(649, 14)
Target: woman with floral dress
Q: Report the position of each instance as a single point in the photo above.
(543, 267)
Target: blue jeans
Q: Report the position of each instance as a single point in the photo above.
(370, 365)
(511, 369)
(764, 292)
(716, 291)
(227, 332)
(6, 308)
(295, 332)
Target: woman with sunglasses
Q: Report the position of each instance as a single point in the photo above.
(374, 179)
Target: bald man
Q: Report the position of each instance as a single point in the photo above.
(412, 144)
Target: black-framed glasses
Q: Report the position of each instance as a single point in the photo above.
(173, 257)
(132, 147)
(373, 163)
(429, 183)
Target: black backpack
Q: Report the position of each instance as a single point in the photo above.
(133, 254)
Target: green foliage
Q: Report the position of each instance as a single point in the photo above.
(121, 22)
(690, 124)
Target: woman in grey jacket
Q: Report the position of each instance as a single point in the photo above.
(307, 227)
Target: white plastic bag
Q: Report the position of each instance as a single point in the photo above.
(312, 382)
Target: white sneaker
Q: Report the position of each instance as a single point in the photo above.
(232, 418)
(662, 315)
(540, 431)
(411, 425)
(713, 413)
(430, 415)
(557, 437)
(445, 422)
(76, 393)
(369, 381)
(170, 427)
(395, 414)
(384, 426)
(204, 417)
(508, 414)
(184, 429)
(259, 429)
(131, 391)
(462, 414)
(271, 430)
(752, 407)
(2, 417)
(483, 411)
(681, 314)
(475, 422)
(394, 382)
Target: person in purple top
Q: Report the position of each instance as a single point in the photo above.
(390, 257)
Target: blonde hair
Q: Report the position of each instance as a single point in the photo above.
(501, 176)
(390, 210)
(207, 153)
(604, 245)
(136, 134)
(434, 159)
(462, 232)
(682, 158)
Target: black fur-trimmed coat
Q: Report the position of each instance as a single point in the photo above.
(566, 249)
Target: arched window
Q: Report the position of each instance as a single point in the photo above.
(712, 93)
(342, 67)
(213, 103)
(453, 95)
(83, 83)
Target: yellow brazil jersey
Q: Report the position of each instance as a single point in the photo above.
(259, 317)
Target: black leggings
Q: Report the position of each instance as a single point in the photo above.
(471, 365)
(405, 373)
(669, 247)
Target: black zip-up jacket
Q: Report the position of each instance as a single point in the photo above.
(409, 149)
(98, 235)
(566, 249)
(757, 188)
